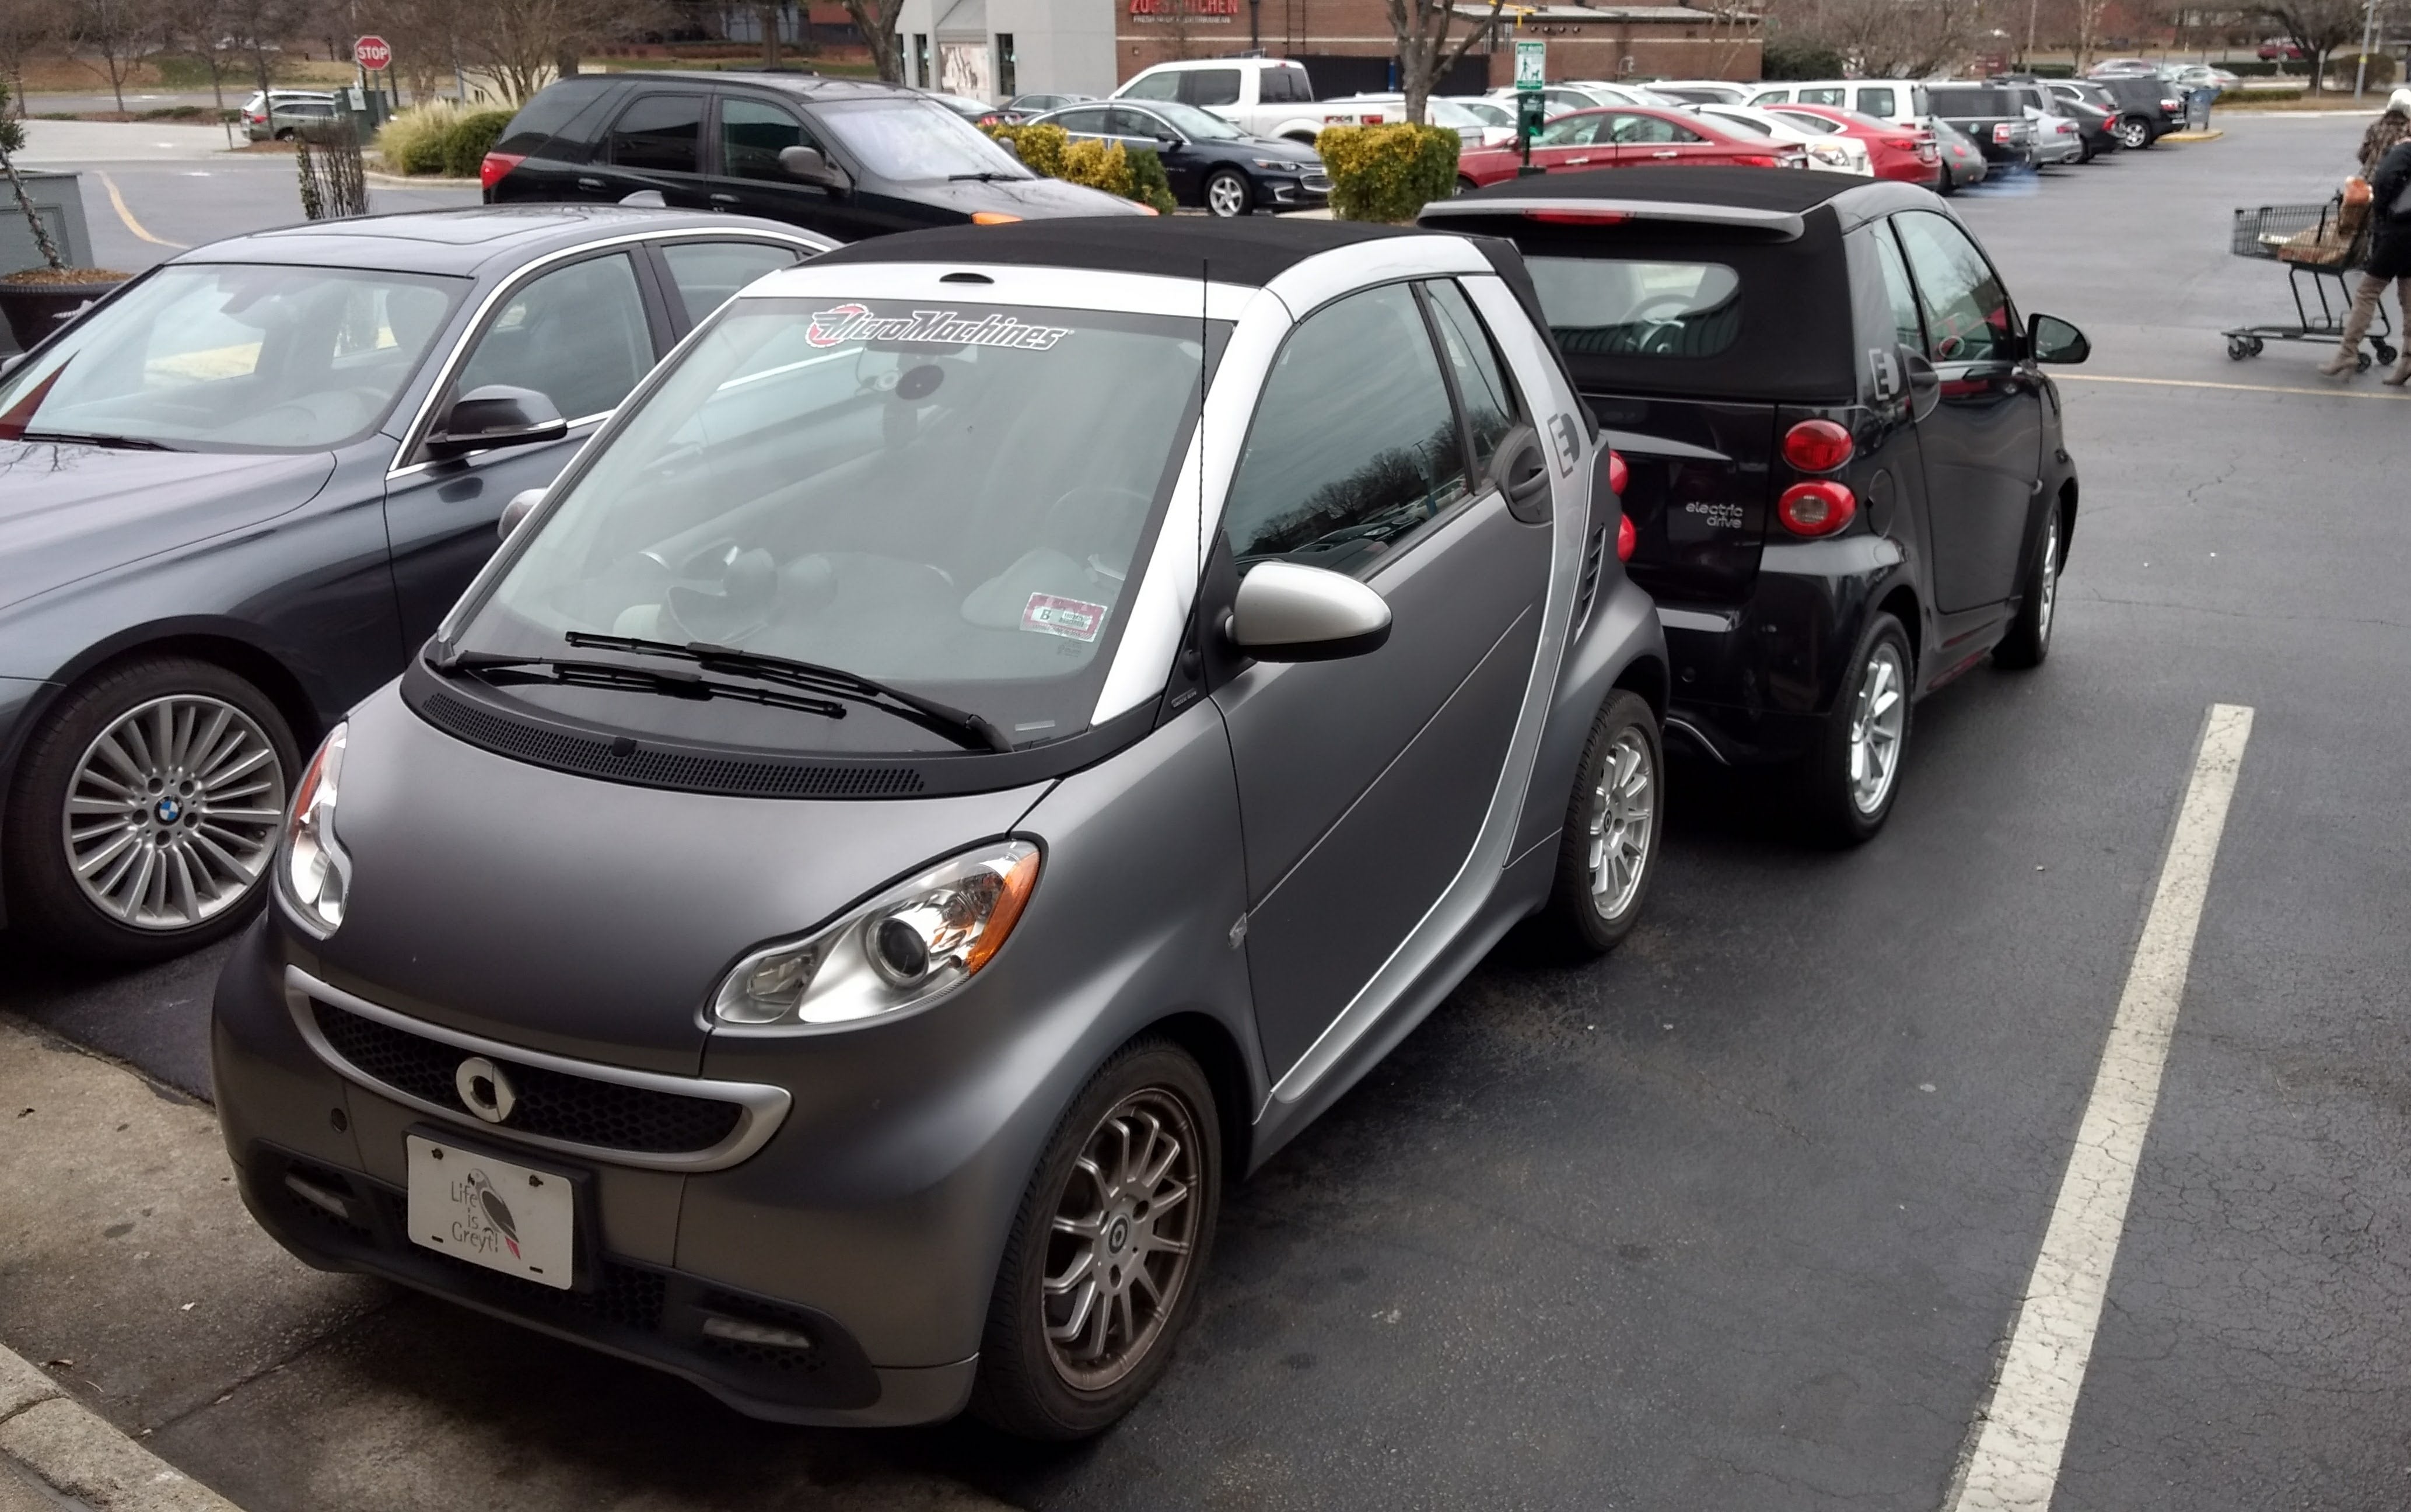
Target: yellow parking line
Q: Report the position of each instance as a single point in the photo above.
(2393, 394)
(117, 203)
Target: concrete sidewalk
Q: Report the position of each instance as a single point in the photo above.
(161, 1317)
(74, 143)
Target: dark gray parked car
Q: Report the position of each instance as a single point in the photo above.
(234, 493)
(873, 855)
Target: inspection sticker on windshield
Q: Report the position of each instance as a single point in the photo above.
(933, 327)
(1050, 615)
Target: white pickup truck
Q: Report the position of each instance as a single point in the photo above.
(1262, 97)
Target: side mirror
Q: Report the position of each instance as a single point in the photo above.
(808, 165)
(2054, 340)
(523, 505)
(495, 415)
(1285, 612)
(1521, 471)
(1924, 383)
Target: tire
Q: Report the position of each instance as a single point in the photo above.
(2028, 642)
(2134, 135)
(1613, 812)
(1029, 1385)
(1838, 805)
(1466, 186)
(286, 135)
(1228, 196)
(177, 854)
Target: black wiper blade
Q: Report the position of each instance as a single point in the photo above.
(984, 176)
(492, 666)
(92, 438)
(968, 729)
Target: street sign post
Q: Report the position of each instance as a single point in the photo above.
(373, 53)
(1531, 106)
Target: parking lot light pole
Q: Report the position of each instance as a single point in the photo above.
(2361, 69)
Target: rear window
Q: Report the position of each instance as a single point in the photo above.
(1625, 307)
(1213, 86)
(1969, 104)
(549, 113)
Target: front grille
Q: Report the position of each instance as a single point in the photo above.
(553, 1104)
(631, 760)
(1316, 183)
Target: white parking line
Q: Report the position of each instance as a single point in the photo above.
(2015, 1464)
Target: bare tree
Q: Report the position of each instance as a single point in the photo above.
(877, 20)
(1421, 28)
(523, 43)
(1889, 39)
(2319, 27)
(256, 29)
(768, 18)
(118, 30)
(26, 27)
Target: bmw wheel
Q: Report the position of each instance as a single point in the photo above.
(2029, 638)
(1609, 851)
(146, 811)
(1227, 193)
(1854, 774)
(1100, 1268)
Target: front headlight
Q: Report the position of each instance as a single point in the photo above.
(911, 943)
(312, 872)
(1280, 165)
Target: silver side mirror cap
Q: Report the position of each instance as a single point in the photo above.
(1285, 612)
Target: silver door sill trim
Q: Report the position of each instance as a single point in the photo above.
(762, 1107)
(1693, 620)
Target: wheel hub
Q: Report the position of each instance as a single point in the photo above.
(1121, 1237)
(1623, 810)
(1877, 720)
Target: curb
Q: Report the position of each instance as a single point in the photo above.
(77, 1454)
(398, 180)
(2211, 135)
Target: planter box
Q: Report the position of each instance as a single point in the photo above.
(58, 198)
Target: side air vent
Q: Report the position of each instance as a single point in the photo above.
(1594, 559)
(625, 760)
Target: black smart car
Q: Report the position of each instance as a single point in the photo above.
(1212, 163)
(846, 158)
(1846, 478)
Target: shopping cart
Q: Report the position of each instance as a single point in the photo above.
(2318, 244)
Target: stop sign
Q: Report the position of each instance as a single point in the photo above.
(373, 53)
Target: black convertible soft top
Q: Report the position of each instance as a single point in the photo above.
(1251, 250)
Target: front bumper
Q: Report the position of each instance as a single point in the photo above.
(1309, 191)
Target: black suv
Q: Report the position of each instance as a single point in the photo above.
(2149, 107)
(849, 158)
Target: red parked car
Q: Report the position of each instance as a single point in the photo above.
(1628, 136)
(1909, 154)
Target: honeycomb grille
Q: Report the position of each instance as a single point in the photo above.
(553, 1104)
(626, 761)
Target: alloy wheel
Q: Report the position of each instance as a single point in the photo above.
(1877, 722)
(1226, 195)
(172, 813)
(1123, 1232)
(2050, 587)
(1623, 810)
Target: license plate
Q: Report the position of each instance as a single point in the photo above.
(492, 1213)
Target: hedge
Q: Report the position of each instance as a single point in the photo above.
(1786, 59)
(413, 141)
(1387, 173)
(470, 139)
(1046, 150)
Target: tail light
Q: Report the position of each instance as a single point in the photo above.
(1817, 445)
(1903, 144)
(2004, 133)
(1626, 539)
(1578, 217)
(1617, 473)
(491, 170)
(1818, 508)
(1756, 160)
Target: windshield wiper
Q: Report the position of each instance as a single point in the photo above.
(493, 666)
(986, 176)
(88, 438)
(967, 730)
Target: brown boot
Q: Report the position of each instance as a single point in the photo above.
(2401, 374)
(2344, 364)
(2356, 325)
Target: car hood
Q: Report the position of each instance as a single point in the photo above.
(1032, 198)
(584, 917)
(1280, 147)
(68, 512)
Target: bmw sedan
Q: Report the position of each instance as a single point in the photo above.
(1212, 163)
(235, 491)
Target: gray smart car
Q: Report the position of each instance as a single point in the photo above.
(925, 799)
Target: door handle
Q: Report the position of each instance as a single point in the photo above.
(1668, 153)
(1576, 162)
(589, 184)
(723, 199)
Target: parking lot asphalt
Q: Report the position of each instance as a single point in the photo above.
(1742, 1217)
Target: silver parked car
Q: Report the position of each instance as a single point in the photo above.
(927, 798)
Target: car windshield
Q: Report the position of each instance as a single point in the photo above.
(241, 356)
(955, 501)
(1194, 124)
(1741, 122)
(910, 140)
(1817, 124)
(1497, 115)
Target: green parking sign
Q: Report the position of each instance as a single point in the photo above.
(1532, 64)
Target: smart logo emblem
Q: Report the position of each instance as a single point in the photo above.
(485, 1090)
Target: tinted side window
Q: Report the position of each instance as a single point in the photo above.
(1090, 121)
(1771, 97)
(1482, 386)
(1878, 102)
(1824, 96)
(577, 335)
(1212, 86)
(657, 133)
(1162, 86)
(550, 114)
(1898, 292)
(1290, 84)
(708, 273)
(752, 134)
(1354, 447)
(1125, 121)
(1966, 310)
